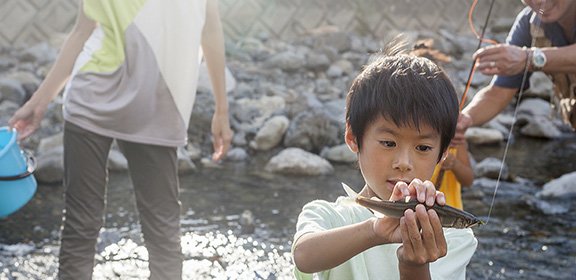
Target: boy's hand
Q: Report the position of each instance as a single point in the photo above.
(421, 231)
(425, 192)
(423, 239)
(407, 229)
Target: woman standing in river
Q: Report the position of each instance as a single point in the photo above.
(131, 68)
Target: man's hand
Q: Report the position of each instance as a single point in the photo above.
(501, 59)
(464, 122)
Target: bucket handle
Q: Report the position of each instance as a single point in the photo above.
(30, 168)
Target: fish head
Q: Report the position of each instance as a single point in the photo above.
(467, 222)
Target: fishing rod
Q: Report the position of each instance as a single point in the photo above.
(520, 93)
(481, 39)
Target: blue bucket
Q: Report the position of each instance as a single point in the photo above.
(17, 184)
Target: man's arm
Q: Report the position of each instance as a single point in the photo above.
(488, 103)
(507, 60)
(485, 105)
(27, 119)
(213, 48)
(560, 59)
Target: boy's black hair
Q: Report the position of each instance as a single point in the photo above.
(405, 89)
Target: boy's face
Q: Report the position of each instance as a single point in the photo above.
(390, 154)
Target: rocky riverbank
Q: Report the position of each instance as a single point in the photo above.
(287, 102)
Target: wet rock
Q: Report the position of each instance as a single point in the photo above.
(563, 187)
(237, 154)
(185, 164)
(16, 249)
(312, 131)
(39, 54)
(287, 61)
(340, 153)
(336, 110)
(490, 168)
(542, 127)
(505, 119)
(7, 63)
(534, 107)
(483, 136)
(50, 169)
(12, 90)
(252, 113)
(547, 208)
(194, 151)
(540, 86)
(50, 142)
(205, 84)
(28, 80)
(334, 71)
(270, 134)
(497, 125)
(317, 61)
(298, 162)
(7, 109)
(247, 222)
(239, 139)
(209, 163)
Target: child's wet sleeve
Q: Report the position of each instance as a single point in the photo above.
(315, 217)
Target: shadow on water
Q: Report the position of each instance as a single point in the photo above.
(518, 241)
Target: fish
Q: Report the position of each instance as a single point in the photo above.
(450, 217)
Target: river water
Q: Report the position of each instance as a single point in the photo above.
(519, 242)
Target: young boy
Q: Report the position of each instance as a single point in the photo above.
(401, 114)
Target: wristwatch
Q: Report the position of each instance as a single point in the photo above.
(538, 59)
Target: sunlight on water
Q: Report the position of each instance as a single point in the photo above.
(213, 255)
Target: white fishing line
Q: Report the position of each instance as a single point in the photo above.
(508, 142)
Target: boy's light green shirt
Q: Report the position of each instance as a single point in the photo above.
(378, 262)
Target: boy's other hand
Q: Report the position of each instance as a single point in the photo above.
(425, 192)
(423, 239)
(392, 230)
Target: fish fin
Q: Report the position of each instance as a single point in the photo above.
(352, 195)
(349, 191)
